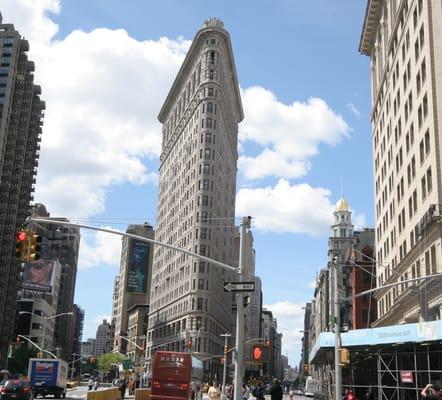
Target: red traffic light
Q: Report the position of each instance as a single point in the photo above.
(189, 343)
(21, 236)
(260, 353)
(17, 339)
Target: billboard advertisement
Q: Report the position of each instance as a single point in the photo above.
(138, 266)
(39, 275)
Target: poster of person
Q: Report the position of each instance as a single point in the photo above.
(38, 275)
(138, 267)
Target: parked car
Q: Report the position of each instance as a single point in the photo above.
(16, 389)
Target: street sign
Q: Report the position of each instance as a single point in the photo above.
(234, 287)
(127, 363)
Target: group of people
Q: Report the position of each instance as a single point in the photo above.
(92, 384)
(247, 391)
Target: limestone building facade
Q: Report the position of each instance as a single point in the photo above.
(404, 42)
(196, 200)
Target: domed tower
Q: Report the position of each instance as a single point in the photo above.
(342, 226)
(340, 245)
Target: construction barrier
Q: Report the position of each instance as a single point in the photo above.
(106, 394)
(142, 394)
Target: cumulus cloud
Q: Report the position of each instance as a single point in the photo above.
(290, 317)
(99, 248)
(289, 135)
(103, 90)
(100, 318)
(287, 208)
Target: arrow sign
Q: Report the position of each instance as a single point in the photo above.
(234, 287)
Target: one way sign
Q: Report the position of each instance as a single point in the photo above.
(235, 287)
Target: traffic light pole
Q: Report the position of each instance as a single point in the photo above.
(239, 354)
(226, 338)
(36, 345)
(245, 224)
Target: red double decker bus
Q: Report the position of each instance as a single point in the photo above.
(176, 376)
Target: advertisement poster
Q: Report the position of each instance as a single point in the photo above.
(38, 275)
(138, 266)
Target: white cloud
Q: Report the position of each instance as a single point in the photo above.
(312, 284)
(287, 208)
(103, 90)
(288, 134)
(99, 248)
(354, 109)
(290, 318)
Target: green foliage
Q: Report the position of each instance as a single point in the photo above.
(19, 361)
(106, 360)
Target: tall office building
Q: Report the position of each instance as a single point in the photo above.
(21, 118)
(196, 201)
(133, 284)
(62, 244)
(102, 339)
(404, 42)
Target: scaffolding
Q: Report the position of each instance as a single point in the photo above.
(395, 372)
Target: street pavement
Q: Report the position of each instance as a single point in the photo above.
(286, 397)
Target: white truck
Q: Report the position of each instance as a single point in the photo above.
(48, 376)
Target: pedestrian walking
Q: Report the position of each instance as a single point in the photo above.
(90, 384)
(95, 384)
(214, 393)
(229, 391)
(122, 388)
(245, 392)
(291, 394)
(276, 391)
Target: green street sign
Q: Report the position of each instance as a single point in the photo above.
(127, 363)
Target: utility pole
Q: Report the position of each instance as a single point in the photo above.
(226, 338)
(337, 312)
(239, 354)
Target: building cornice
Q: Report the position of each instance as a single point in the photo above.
(187, 65)
(370, 26)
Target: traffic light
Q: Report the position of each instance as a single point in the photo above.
(226, 349)
(260, 353)
(22, 245)
(306, 369)
(17, 339)
(344, 356)
(266, 342)
(92, 360)
(189, 343)
(34, 247)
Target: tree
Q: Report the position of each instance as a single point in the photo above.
(106, 360)
(19, 361)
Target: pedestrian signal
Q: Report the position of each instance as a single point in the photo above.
(17, 339)
(21, 245)
(260, 353)
(189, 343)
(267, 342)
(344, 356)
(92, 360)
(34, 247)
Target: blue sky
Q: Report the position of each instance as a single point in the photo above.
(105, 68)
